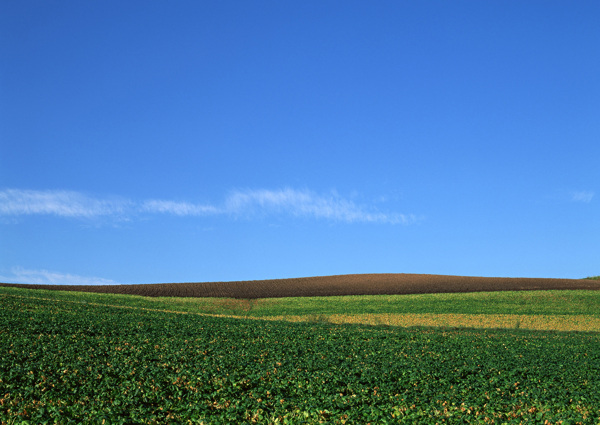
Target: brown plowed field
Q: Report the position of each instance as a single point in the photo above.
(355, 284)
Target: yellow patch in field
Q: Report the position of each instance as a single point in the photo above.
(582, 323)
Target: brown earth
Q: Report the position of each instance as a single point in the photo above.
(354, 284)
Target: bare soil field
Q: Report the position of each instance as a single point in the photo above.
(319, 286)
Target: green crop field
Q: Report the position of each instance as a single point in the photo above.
(570, 310)
(98, 358)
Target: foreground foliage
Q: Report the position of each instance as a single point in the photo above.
(66, 363)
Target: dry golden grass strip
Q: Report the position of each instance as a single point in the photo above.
(580, 323)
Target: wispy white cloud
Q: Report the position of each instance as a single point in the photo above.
(244, 203)
(57, 202)
(45, 277)
(304, 203)
(178, 208)
(582, 196)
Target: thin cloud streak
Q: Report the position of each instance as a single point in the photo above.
(303, 203)
(46, 277)
(240, 203)
(61, 203)
(178, 208)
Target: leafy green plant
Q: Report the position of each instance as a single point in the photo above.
(74, 362)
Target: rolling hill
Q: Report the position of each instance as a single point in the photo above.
(337, 285)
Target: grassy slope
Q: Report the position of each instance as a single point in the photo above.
(549, 310)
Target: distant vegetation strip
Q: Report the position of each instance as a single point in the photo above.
(554, 302)
(357, 284)
(574, 310)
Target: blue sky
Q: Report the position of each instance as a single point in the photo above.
(149, 141)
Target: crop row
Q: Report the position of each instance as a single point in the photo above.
(81, 363)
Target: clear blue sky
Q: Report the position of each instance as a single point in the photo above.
(151, 141)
